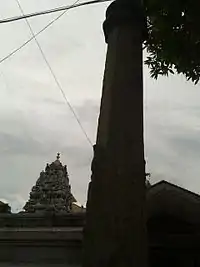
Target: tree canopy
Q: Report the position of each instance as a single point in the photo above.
(173, 39)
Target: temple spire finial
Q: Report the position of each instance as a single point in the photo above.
(58, 156)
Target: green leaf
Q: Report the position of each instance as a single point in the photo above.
(173, 40)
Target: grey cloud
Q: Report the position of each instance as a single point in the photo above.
(89, 111)
(36, 123)
(186, 146)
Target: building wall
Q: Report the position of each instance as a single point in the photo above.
(34, 239)
(30, 238)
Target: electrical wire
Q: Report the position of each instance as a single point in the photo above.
(32, 38)
(54, 76)
(11, 19)
(36, 34)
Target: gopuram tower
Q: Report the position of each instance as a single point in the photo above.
(52, 192)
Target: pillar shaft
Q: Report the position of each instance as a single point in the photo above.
(115, 233)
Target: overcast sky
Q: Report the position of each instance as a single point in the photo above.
(36, 123)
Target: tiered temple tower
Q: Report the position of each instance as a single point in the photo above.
(52, 192)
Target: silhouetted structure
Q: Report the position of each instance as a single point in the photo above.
(173, 226)
(115, 233)
(4, 208)
(173, 221)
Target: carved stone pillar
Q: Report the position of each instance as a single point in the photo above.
(115, 233)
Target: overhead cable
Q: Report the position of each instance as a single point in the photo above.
(36, 34)
(54, 76)
(32, 38)
(58, 9)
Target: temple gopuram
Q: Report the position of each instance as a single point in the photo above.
(52, 192)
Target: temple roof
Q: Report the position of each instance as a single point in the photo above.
(172, 200)
(2, 203)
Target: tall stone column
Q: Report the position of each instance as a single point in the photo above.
(115, 234)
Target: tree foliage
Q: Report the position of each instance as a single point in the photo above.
(173, 40)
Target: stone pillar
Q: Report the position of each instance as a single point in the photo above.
(115, 233)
